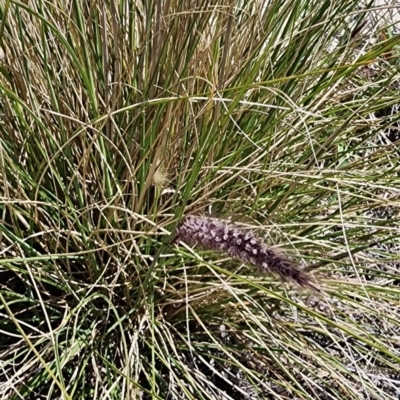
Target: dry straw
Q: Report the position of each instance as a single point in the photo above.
(223, 236)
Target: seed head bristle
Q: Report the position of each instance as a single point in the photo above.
(222, 236)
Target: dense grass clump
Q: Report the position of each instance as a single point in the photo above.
(119, 120)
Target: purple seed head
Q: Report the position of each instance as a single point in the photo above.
(222, 236)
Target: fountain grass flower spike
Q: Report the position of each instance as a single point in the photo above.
(223, 236)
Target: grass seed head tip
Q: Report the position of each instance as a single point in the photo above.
(222, 236)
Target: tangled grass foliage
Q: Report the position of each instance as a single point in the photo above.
(120, 119)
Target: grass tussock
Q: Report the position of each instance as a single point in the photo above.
(118, 119)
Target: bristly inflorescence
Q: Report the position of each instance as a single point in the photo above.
(223, 236)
